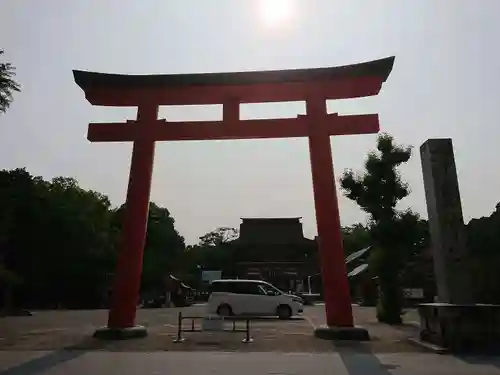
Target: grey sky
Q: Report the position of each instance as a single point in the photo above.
(444, 84)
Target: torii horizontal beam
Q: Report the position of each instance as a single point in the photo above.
(256, 93)
(340, 82)
(162, 130)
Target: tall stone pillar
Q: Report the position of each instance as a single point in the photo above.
(446, 223)
(456, 321)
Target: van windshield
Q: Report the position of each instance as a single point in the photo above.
(271, 290)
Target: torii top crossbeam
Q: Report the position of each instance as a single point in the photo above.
(349, 81)
(231, 89)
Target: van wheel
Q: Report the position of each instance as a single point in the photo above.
(284, 312)
(224, 310)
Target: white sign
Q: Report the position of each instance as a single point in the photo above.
(210, 276)
(212, 323)
(411, 293)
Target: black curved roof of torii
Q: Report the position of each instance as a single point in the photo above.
(379, 68)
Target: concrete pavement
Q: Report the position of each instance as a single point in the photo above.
(36, 345)
(73, 329)
(221, 363)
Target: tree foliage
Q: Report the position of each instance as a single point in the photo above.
(164, 247)
(7, 84)
(483, 241)
(418, 270)
(377, 191)
(214, 251)
(355, 237)
(219, 236)
(60, 242)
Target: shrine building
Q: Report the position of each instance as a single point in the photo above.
(275, 250)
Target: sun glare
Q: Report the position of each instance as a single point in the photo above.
(276, 12)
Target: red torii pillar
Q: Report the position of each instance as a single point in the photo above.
(333, 268)
(315, 86)
(124, 298)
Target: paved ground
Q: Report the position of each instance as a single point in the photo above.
(55, 330)
(220, 363)
(59, 342)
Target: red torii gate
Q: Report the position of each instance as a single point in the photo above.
(148, 92)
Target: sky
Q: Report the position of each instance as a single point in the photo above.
(444, 85)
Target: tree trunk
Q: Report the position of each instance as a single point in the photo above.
(389, 307)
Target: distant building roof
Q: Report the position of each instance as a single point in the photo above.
(283, 262)
(357, 254)
(359, 269)
(271, 219)
(271, 231)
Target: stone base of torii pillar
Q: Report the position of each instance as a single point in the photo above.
(342, 333)
(106, 333)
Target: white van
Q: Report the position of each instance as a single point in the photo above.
(252, 297)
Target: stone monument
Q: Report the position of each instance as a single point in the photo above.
(446, 222)
(455, 321)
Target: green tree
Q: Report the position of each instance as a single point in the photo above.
(219, 236)
(19, 193)
(7, 84)
(377, 191)
(355, 237)
(483, 241)
(418, 271)
(79, 228)
(215, 250)
(163, 249)
(58, 243)
(55, 240)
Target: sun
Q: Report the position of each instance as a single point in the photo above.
(276, 12)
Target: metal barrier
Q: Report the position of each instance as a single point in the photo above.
(222, 320)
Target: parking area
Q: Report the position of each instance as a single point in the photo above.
(53, 330)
